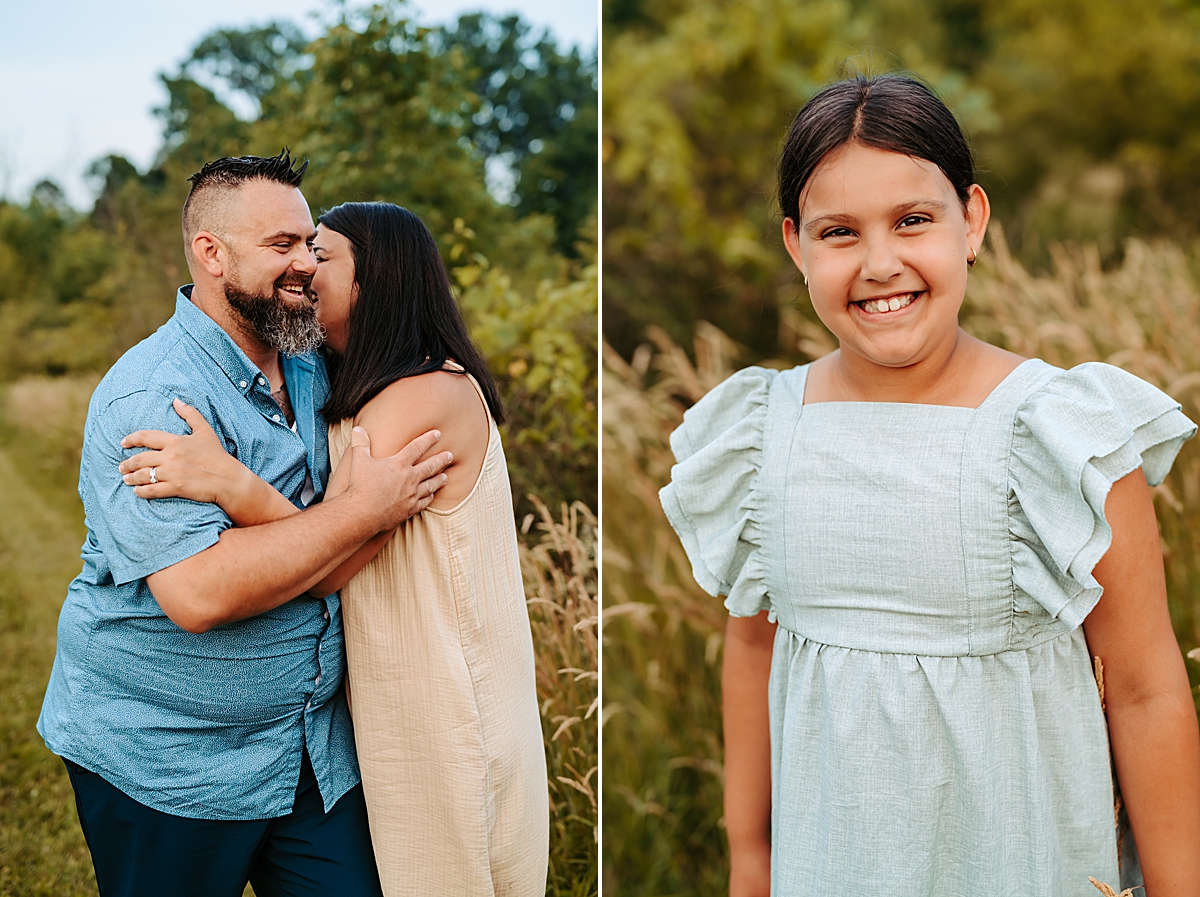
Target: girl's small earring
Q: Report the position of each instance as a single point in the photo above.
(974, 257)
(805, 276)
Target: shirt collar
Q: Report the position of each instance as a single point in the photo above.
(218, 344)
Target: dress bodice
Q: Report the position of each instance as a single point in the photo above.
(894, 521)
(922, 529)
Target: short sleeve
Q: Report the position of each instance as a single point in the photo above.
(1080, 433)
(139, 536)
(712, 499)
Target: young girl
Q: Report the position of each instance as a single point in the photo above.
(923, 540)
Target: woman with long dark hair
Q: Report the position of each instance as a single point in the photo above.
(438, 646)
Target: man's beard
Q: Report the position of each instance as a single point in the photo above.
(292, 329)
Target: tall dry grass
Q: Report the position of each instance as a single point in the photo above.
(560, 587)
(41, 846)
(663, 636)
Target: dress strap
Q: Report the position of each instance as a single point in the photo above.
(454, 367)
(1024, 380)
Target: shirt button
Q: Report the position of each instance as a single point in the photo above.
(307, 705)
(326, 615)
(262, 381)
(317, 681)
(243, 384)
(275, 417)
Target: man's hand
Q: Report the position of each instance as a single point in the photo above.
(256, 568)
(395, 488)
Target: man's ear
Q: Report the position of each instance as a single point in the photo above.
(210, 253)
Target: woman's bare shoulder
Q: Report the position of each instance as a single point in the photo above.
(439, 400)
(437, 387)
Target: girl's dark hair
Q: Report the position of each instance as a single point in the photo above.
(405, 321)
(887, 112)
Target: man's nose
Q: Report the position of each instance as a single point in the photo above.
(304, 261)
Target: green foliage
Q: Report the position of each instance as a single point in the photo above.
(542, 352)
(537, 114)
(252, 62)
(381, 119)
(385, 109)
(689, 162)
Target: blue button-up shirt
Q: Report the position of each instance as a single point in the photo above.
(209, 726)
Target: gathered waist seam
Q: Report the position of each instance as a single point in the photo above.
(1048, 637)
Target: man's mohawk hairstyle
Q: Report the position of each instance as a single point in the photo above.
(234, 170)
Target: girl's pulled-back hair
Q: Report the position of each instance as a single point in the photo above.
(405, 321)
(887, 112)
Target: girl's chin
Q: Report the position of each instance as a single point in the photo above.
(889, 353)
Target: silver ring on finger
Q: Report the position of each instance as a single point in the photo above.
(153, 475)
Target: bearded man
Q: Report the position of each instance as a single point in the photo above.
(196, 695)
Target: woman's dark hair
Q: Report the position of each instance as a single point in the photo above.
(405, 321)
(887, 112)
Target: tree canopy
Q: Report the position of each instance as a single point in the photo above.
(385, 108)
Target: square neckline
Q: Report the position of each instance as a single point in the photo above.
(996, 390)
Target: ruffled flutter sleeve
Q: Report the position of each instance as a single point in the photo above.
(1072, 440)
(712, 500)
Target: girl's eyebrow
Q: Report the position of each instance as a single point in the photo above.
(933, 205)
(817, 224)
(925, 204)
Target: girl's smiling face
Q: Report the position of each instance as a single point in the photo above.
(334, 285)
(883, 241)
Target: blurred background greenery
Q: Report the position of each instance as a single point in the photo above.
(386, 109)
(1085, 122)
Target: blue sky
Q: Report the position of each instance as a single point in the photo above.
(81, 80)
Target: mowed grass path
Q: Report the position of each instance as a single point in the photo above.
(42, 851)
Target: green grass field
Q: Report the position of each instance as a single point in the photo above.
(41, 528)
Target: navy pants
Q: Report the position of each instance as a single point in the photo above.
(142, 852)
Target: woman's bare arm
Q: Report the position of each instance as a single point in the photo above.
(1151, 716)
(746, 671)
(339, 479)
(198, 468)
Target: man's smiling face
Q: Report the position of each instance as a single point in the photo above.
(270, 265)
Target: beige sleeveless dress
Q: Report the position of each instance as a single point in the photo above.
(441, 681)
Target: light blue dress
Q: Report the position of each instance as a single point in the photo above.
(935, 723)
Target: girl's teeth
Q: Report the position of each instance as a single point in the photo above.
(877, 306)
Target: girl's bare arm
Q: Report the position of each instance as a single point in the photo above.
(1151, 716)
(747, 668)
